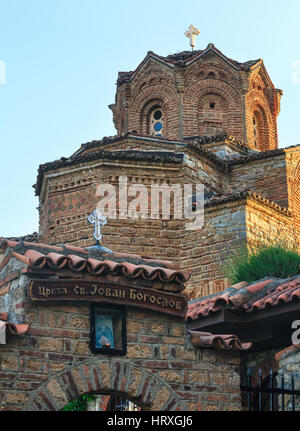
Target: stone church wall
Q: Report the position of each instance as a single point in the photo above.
(52, 364)
(264, 225)
(265, 176)
(70, 197)
(204, 252)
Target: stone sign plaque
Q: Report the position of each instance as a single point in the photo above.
(101, 292)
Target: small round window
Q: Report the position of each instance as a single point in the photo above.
(157, 122)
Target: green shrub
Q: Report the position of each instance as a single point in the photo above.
(251, 264)
(79, 404)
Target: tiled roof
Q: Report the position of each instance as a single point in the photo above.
(199, 148)
(181, 59)
(255, 156)
(112, 139)
(247, 297)
(208, 139)
(133, 155)
(217, 200)
(196, 145)
(206, 340)
(186, 56)
(259, 155)
(75, 259)
(15, 329)
(33, 237)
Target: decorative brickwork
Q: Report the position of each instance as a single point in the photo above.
(201, 94)
(219, 129)
(51, 366)
(51, 363)
(69, 197)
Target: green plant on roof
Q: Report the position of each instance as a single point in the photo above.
(252, 263)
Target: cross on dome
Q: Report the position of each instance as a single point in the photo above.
(191, 33)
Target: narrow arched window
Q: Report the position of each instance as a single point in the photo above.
(157, 122)
(256, 132)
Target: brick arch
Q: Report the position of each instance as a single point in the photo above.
(263, 130)
(146, 111)
(192, 106)
(256, 101)
(150, 77)
(111, 376)
(168, 98)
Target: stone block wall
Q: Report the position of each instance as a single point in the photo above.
(52, 364)
(204, 252)
(288, 364)
(266, 225)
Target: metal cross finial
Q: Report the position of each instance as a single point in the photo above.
(191, 33)
(98, 220)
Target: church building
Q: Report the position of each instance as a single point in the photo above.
(147, 313)
(192, 117)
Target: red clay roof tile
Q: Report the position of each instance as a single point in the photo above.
(220, 342)
(42, 256)
(247, 297)
(16, 329)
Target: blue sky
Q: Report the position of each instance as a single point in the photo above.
(62, 58)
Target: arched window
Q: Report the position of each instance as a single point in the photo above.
(255, 132)
(156, 122)
(258, 136)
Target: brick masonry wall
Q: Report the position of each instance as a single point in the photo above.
(258, 105)
(267, 177)
(293, 178)
(69, 196)
(204, 252)
(264, 225)
(185, 95)
(227, 227)
(52, 364)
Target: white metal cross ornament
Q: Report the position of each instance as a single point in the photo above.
(191, 33)
(98, 220)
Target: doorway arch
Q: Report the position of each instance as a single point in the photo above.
(109, 376)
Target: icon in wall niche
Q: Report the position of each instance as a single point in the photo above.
(108, 330)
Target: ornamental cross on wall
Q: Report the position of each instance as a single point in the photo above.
(98, 220)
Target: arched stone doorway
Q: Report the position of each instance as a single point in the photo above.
(105, 376)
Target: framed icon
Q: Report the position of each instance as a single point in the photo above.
(108, 330)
